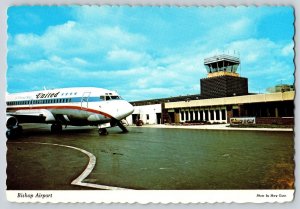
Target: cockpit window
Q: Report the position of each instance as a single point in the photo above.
(107, 97)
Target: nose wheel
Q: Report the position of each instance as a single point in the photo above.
(103, 131)
(56, 128)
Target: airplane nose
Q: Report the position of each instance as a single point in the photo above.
(130, 108)
(125, 110)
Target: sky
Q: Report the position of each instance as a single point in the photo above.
(145, 52)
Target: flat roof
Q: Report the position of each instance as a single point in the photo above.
(247, 99)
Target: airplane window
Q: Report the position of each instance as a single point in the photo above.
(66, 94)
(71, 93)
(102, 97)
(75, 93)
(108, 98)
(115, 97)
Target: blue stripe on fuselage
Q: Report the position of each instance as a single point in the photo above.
(56, 100)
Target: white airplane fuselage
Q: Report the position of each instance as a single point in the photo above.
(68, 106)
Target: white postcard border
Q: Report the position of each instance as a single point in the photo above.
(152, 196)
(237, 196)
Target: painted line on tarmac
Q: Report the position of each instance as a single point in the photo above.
(92, 162)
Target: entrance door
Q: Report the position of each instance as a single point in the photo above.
(158, 118)
(85, 100)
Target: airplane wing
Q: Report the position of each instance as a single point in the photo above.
(32, 116)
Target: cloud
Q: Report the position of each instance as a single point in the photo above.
(263, 62)
(288, 49)
(146, 53)
(240, 26)
(128, 56)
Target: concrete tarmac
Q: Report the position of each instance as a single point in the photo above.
(149, 158)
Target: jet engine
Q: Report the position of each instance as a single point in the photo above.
(11, 122)
(13, 127)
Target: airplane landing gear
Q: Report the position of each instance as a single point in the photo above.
(14, 132)
(102, 132)
(56, 128)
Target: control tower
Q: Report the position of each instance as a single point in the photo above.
(222, 78)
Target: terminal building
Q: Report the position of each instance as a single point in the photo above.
(223, 97)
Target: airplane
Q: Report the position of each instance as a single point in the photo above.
(79, 106)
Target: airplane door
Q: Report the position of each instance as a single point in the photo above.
(85, 100)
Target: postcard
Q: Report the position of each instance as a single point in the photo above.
(150, 104)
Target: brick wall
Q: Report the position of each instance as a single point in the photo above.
(274, 120)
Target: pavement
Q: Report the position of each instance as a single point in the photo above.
(215, 127)
(156, 157)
